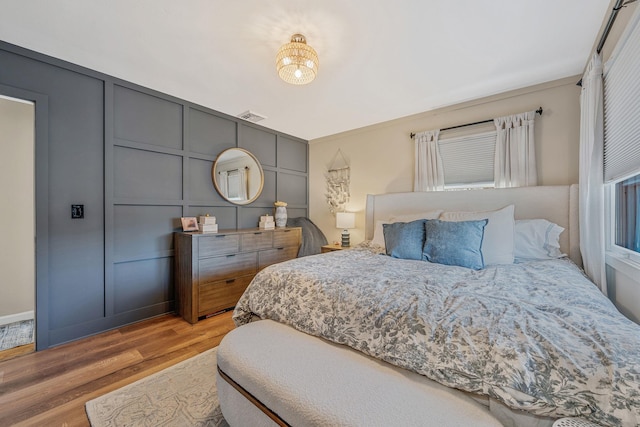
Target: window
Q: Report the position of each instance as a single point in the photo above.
(233, 185)
(622, 141)
(467, 156)
(627, 213)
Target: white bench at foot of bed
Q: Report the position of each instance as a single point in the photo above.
(307, 381)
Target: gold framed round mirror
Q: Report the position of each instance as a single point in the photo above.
(237, 176)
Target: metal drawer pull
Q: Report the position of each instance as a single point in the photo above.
(231, 280)
(258, 232)
(280, 249)
(231, 255)
(286, 231)
(221, 235)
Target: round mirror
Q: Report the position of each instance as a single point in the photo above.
(238, 176)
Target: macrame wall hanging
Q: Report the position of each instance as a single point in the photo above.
(338, 184)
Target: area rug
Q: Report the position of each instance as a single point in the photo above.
(16, 334)
(181, 395)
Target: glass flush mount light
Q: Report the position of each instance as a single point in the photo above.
(297, 62)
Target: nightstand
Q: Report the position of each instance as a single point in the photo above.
(333, 247)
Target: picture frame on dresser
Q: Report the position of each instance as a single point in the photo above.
(189, 223)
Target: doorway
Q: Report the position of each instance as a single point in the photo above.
(17, 225)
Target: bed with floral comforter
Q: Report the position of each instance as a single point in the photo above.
(537, 336)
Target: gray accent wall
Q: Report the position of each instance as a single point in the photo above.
(137, 160)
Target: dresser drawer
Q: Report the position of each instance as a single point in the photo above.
(284, 238)
(273, 256)
(221, 295)
(226, 267)
(256, 241)
(219, 244)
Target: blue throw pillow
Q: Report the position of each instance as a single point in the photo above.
(454, 243)
(404, 239)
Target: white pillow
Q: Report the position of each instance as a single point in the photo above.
(537, 239)
(378, 234)
(498, 241)
(435, 214)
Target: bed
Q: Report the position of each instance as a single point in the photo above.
(522, 343)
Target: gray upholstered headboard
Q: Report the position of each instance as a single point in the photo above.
(558, 204)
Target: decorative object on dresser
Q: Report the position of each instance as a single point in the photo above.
(207, 224)
(213, 270)
(266, 222)
(345, 220)
(281, 213)
(189, 223)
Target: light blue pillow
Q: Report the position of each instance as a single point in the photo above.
(404, 239)
(454, 243)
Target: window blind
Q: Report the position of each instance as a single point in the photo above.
(622, 108)
(468, 159)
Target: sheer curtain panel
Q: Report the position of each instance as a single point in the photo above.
(244, 184)
(429, 172)
(222, 183)
(591, 178)
(515, 156)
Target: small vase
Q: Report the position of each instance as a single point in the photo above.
(281, 216)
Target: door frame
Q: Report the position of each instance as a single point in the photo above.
(41, 193)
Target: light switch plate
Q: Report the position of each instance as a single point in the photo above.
(77, 211)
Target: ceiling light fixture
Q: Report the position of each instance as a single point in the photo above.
(297, 62)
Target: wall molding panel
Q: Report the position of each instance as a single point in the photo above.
(138, 160)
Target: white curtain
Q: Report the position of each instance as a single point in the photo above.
(591, 179)
(222, 183)
(515, 157)
(429, 172)
(243, 193)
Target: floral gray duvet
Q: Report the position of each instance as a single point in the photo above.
(537, 336)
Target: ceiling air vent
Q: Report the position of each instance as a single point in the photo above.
(250, 116)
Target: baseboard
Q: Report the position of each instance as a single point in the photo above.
(18, 317)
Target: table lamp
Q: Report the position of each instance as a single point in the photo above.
(345, 221)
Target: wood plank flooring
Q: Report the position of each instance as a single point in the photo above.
(17, 351)
(50, 387)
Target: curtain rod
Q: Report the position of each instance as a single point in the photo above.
(235, 170)
(607, 29)
(612, 18)
(539, 111)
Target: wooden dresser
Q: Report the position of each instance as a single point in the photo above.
(214, 269)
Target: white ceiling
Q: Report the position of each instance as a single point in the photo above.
(379, 60)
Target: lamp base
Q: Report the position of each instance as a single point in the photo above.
(345, 239)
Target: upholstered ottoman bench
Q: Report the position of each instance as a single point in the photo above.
(271, 374)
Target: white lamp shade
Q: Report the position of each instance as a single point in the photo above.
(345, 220)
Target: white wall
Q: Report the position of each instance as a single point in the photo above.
(17, 209)
(381, 156)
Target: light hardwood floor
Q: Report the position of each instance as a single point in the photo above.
(50, 387)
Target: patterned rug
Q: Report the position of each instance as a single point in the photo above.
(181, 395)
(16, 334)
